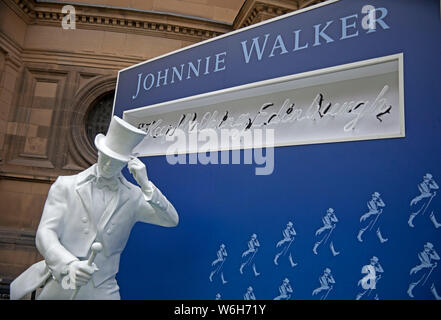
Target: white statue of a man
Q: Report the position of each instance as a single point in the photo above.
(95, 205)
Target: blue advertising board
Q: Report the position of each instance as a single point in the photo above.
(347, 220)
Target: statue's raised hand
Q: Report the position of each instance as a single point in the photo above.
(139, 172)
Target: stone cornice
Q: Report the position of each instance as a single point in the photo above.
(254, 11)
(152, 23)
(91, 60)
(28, 177)
(307, 3)
(120, 20)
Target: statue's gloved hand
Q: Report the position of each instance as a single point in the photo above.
(139, 172)
(80, 272)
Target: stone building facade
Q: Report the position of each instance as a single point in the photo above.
(56, 86)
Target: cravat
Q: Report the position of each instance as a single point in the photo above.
(111, 183)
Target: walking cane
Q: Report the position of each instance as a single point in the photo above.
(376, 282)
(329, 234)
(326, 295)
(252, 256)
(217, 268)
(220, 267)
(96, 248)
(287, 247)
(428, 275)
(249, 259)
(375, 221)
(428, 202)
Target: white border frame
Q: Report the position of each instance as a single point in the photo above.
(365, 63)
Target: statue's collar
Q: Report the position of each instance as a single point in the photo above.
(92, 172)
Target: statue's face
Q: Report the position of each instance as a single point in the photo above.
(109, 167)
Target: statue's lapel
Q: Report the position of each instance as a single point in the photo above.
(113, 206)
(84, 191)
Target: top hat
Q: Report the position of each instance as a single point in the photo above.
(120, 139)
(428, 245)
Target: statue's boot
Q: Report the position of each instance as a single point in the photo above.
(410, 222)
(276, 258)
(380, 237)
(315, 247)
(409, 291)
(435, 294)
(334, 252)
(360, 233)
(223, 279)
(255, 271)
(293, 264)
(433, 219)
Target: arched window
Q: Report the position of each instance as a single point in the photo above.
(91, 114)
(99, 115)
